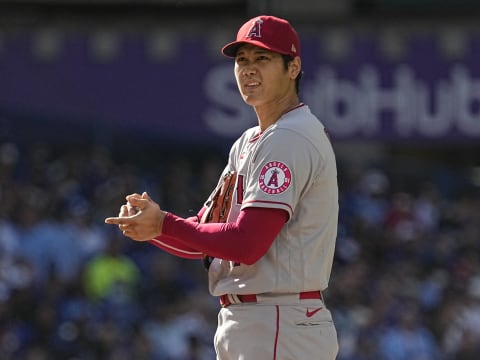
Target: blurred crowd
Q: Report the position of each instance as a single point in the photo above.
(405, 282)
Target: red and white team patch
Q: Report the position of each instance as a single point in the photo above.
(275, 177)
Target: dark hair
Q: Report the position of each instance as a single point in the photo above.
(286, 61)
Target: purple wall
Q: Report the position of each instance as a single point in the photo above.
(192, 94)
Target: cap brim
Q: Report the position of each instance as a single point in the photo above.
(230, 50)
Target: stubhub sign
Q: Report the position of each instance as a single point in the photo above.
(191, 94)
(362, 107)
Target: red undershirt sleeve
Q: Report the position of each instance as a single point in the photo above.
(174, 247)
(244, 241)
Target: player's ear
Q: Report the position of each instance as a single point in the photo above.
(294, 67)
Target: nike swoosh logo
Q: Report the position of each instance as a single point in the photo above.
(313, 312)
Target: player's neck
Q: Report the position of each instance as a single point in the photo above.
(269, 114)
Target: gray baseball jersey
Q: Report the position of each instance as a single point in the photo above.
(289, 166)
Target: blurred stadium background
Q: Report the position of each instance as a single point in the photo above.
(103, 98)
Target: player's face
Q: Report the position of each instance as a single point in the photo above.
(261, 76)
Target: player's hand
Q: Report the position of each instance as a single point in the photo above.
(128, 209)
(140, 219)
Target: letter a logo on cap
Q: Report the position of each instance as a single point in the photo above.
(267, 32)
(255, 30)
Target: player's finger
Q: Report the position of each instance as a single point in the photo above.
(131, 232)
(133, 196)
(119, 220)
(124, 211)
(131, 210)
(139, 203)
(128, 233)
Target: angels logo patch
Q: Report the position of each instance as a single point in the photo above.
(275, 177)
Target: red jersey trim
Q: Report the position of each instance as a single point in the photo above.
(295, 108)
(268, 202)
(259, 135)
(176, 249)
(255, 137)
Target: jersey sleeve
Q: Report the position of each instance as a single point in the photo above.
(280, 172)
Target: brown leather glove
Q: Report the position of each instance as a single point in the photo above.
(219, 206)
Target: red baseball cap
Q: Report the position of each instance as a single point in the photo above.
(268, 32)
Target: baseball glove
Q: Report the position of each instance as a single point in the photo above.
(219, 205)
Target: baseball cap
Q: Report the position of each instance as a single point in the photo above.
(268, 32)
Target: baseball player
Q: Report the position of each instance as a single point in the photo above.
(270, 258)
